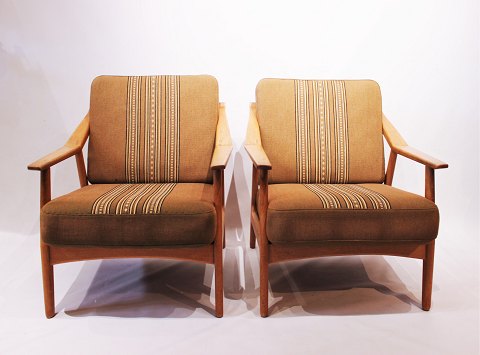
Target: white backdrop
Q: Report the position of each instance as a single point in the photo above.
(423, 53)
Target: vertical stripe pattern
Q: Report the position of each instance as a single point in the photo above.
(132, 152)
(152, 129)
(341, 132)
(302, 129)
(322, 149)
(348, 196)
(172, 128)
(133, 199)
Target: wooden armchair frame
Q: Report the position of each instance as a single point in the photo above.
(209, 254)
(273, 253)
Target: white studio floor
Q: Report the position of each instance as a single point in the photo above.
(335, 305)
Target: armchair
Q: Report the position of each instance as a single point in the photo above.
(157, 150)
(319, 186)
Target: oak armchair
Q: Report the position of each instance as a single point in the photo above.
(319, 186)
(157, 150)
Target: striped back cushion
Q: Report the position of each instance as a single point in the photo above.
(152, 129)
(318, 131)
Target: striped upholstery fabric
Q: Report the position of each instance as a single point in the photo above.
(131, 214)
(348, 196)
(348, 212)
(141, 129)
(147, 128)
(133, 199)
(318, 131)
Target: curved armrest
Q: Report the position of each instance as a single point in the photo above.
(73, 146)
(400, 146)
(53, 158)
(253, 142)
(223, 141)
(420, 157)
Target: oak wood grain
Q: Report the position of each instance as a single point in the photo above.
(253, 142)
(223, 141)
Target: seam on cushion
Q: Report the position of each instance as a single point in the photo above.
(362, 241)
(356, 209)
(143, 246)
(128, 215)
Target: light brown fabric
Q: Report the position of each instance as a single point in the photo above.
(364, 212)
(152, 129)
(321, 131)
(131, 215)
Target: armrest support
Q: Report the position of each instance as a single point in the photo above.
(221, 154)
(259, 206)
(253, 142)
(259, 198)
(72, 147)
(400, 146)
(223, 141)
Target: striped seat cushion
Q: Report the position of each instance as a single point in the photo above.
(152, 129)
(348, 212)
(131, 215)
(321, 131)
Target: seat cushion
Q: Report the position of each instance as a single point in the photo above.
(348, 212)
(131, 215)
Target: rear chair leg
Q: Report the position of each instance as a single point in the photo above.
(427, 281)
(48, 286)
(252, 238)
(263, 282)
(224, 237)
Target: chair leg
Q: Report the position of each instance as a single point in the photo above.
(218, 283)
(263, 282)
(252, 238)
(48, 284)
(427, 281)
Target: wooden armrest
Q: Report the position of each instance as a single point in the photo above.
(253, 142)
(258, 156)
(220, 157)
(400, 146)
(53, 158)
(73, 146)
(223, 141)
(420, 157)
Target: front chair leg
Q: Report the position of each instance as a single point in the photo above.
(263, 281)
(218, 284)
(427, 281)
(219, 240)
(48, 285)
(253, 202)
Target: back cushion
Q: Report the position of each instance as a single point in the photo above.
(318, 131)
(152, 128)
